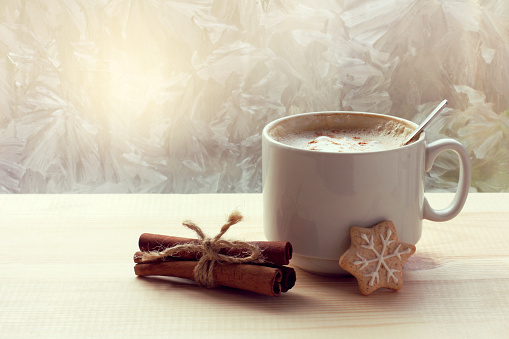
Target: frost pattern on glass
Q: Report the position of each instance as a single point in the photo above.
(171, 96)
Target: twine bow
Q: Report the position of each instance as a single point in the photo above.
(209, 248)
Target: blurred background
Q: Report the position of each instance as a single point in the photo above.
(155, 96)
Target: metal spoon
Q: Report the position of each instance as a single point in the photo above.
(425, 123)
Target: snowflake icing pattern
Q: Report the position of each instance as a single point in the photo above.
(376, 257)
(380, 257)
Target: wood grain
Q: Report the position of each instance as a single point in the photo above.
(67, 271)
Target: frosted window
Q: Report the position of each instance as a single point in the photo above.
(171, 96)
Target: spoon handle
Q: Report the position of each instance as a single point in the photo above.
(425, 123)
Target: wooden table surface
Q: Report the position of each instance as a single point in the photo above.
(67, 271)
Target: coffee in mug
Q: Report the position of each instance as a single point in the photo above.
(354, 136)
(316, 188)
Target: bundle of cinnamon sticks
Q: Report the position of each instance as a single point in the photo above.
(271, 276)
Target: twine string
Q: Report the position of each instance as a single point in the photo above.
(209, 248)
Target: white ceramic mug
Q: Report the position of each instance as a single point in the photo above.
(312, 198)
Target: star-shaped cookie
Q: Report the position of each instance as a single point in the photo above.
(376, 257)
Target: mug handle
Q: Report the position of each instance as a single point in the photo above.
(432, 151)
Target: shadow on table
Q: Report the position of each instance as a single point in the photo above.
(316, 296)
(338, 295)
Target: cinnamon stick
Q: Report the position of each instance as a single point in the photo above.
(254, 278)
(274, 252)
(288, 278)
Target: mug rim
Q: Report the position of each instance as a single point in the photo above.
(265, 132)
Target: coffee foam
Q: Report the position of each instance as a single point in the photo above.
(342, 132)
